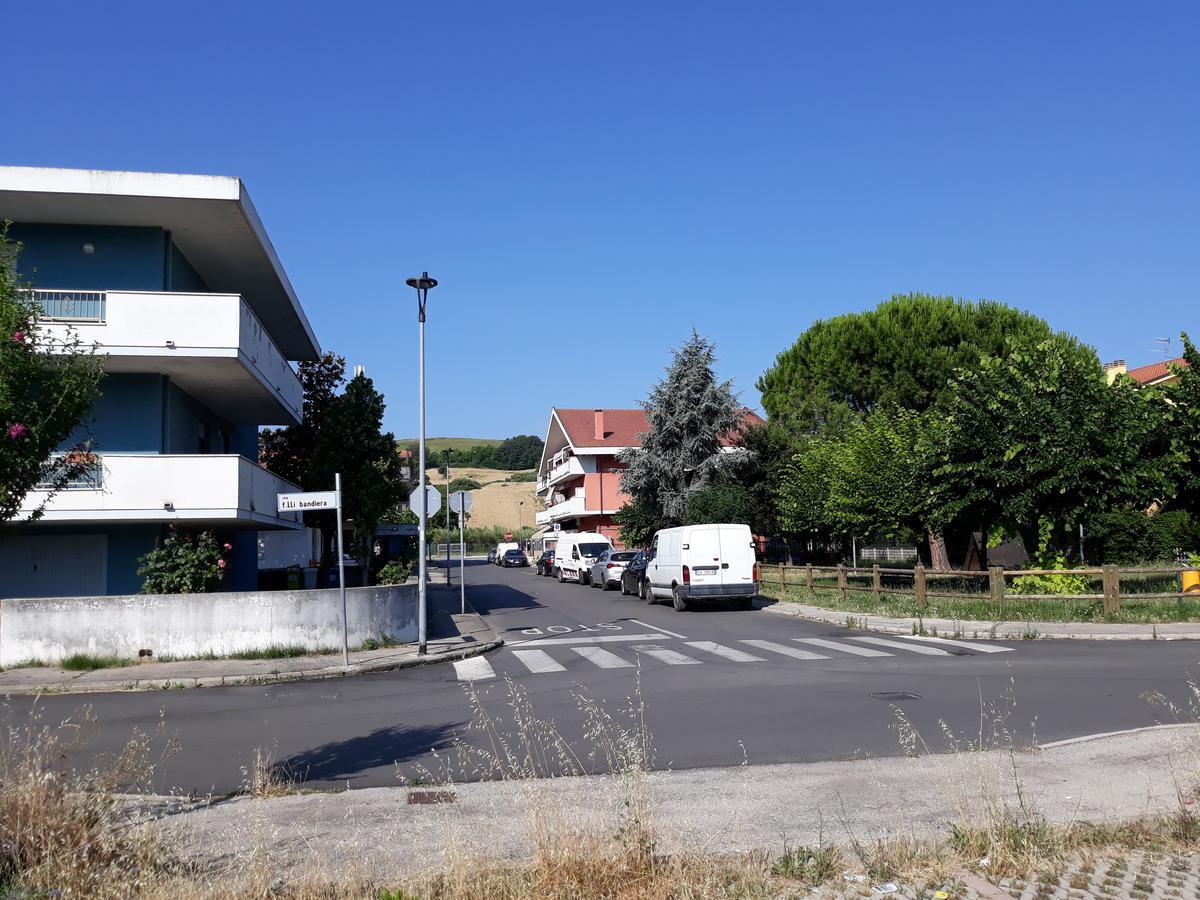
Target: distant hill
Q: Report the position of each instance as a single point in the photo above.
(439, 444)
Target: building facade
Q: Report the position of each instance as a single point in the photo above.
(174, 280)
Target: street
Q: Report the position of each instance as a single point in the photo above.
(719, 687)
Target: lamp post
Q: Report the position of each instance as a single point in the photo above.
(422, 286)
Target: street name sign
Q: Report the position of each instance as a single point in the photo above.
(461, 502)
(310, 501)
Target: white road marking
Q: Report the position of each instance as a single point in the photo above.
(538, 661)
(656, 628)
(670, 657)
(474, 669)
(970, 645)
(842, 648)
(727, 652)
(597, 639)
(785, 650)
(900, 645)
(602, 658)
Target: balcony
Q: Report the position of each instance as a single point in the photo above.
(211, 490)
(211, 345)
(567, 509)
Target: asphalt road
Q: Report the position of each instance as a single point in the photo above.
(714, 687)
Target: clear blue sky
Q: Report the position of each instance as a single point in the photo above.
(589, 181)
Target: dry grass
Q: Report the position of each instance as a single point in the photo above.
(499, 501)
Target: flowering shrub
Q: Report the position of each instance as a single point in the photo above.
(184, 564)
(395, 572)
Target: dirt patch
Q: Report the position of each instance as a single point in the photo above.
(499, 501)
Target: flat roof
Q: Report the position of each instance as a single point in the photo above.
(211, 220)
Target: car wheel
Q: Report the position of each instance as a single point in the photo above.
(604, 585)
(561, 578)
(679, 603)
(624, 590)
(647, 594)
(583, 578)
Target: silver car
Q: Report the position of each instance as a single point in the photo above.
(606, 571)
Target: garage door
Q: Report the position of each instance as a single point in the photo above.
(72, 565)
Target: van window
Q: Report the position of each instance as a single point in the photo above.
(593, 549)
(574, 553)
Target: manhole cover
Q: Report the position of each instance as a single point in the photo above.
(422, 797)
(896, 696)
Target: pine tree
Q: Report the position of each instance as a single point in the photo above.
(688, 413)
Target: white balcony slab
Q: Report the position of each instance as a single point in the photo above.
(211, 345)
(217, 490)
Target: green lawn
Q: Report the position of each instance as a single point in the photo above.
(980, 608)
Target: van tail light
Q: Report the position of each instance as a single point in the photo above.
(687, 575)
(756, 571)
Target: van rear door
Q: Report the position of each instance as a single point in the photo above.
(737, 556)
(703, 557)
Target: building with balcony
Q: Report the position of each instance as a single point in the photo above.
(175, 282)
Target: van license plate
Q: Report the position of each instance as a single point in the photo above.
(705, 570)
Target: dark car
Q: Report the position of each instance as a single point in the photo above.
(492, 555)
(514, 558)
(545, 563)
(634, 574)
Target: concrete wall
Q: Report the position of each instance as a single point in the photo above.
(123, 257)
(195, 624)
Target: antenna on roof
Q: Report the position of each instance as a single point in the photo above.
(1166, 346)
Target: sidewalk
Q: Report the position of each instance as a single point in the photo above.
(451, 635)
(1002, 631)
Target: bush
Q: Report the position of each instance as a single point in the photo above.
(1130, 537)
(465, 484)
(183, 564)
(395, 572)
(523, 476)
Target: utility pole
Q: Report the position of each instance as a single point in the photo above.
(448, 518)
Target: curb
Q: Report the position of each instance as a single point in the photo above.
(969, 630)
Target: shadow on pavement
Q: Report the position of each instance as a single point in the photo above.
(349, 759)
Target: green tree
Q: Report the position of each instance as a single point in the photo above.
(1039, 435)
(724, 501)
(804, 490)
(288, 452)
(48, 384)
(1183, 419)
(688, 412)
(902, 354)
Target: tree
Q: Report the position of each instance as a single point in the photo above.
(1038, 435)
(902, 354)
(288, 452)
(724, 501)
(48, 384)
(1183, 417)
(688, 412)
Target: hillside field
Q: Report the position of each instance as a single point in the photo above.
(439, 444)
(498, 502)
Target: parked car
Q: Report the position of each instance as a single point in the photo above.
(503, 548)
(606, 570)
(634, 574)
(575, 552)
(545, 563)
(702, 562)
(492, 555)
(513, 558)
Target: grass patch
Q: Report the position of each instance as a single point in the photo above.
(1014, 609)
(87, 662)
(280, 651)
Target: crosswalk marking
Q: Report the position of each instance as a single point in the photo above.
(795, 652)
(978, 646)
(474, 669)
(726, 652)
(670, 657)
(538, 661)
(900, 645)
(842, 648)
(603, 658)
(594, 639)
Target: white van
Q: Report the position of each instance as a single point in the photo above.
(702, 562)
(503, 548)
(575, 552)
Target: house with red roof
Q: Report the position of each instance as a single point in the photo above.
(1154, 375)
(579, 477)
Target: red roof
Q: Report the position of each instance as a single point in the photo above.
(750, 419)
(625, 427)
(1155, 371)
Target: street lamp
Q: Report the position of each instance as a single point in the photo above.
(422, 286)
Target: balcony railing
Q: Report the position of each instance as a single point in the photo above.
(69, 306)
(86, 472)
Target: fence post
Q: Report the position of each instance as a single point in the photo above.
(841, 572)
(1112, 589)
(919, 585)
(996, 584)
(782, 580)
(808, 577)
(876, 582)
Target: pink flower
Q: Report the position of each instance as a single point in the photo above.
(19, 337)
(228, 546)
(221, 563)
(16, 430)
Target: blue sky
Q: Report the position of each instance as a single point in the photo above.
(589, 181)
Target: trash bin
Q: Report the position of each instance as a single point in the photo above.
(1189, 581)
(295, 579)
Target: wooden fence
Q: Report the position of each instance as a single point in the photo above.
(994, 580)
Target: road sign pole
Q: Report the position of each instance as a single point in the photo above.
(448, 584)
(462, 561)
(337, 486)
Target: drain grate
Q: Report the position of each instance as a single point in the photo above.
(422, 797)
(896, 696)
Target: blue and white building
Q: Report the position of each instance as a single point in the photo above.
(174, 279)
